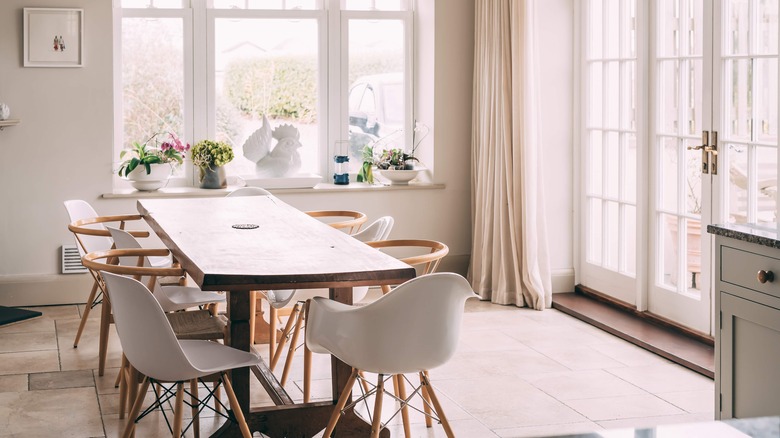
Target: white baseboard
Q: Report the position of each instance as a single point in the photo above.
(562, 280)
(43, 290)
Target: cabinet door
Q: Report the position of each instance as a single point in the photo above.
(749, 358)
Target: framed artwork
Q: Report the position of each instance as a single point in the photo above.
(53, 37)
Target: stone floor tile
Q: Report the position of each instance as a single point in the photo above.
(61, 380)
(57, 312)
(14, 383)
(578, 358)
(71, 412)
(509, 363)
(663, 378)
(623, 407)
(576, 385)
(695, 402)
(35, 325)
(35, 341)
(29, 362)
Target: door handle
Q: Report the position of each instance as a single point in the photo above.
(705, 152)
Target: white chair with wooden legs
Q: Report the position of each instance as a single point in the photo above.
(369, 338)
(151, 347)
(377, 230)
(198, 324)
(90, 235)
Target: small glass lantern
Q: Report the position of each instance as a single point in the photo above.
(341, 176)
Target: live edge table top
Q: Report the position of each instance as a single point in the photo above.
(287, 249)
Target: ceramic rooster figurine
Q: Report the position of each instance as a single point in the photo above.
(283, 159)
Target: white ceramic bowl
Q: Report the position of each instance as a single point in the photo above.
(400, 177)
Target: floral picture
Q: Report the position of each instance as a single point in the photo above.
(53, 37)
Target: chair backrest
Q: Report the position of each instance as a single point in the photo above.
(78, 210)
(378, 230)
(124, 240)
(249, 191)
(147, 338)
(336, 219)
(414, 328)
(425, 258)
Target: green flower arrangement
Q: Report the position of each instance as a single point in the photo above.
(207, 154)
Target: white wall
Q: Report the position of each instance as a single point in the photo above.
(555, 22)
(62, 148)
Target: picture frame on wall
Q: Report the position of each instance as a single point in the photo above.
(53, 37)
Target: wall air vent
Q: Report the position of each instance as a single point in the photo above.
(71, 260)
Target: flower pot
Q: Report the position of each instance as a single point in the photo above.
(213, 177)
(157, 178)
(400, 177)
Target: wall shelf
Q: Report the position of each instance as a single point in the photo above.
(9, 122)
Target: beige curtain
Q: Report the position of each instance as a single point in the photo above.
(509, 261)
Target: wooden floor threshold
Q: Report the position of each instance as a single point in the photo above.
(689, 352)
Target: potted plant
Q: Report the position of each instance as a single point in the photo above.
(148, 165)
(210, 156)
(393, 163)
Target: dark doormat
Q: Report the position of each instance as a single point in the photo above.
(10, 315)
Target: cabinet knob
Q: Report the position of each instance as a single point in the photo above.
(765, 276)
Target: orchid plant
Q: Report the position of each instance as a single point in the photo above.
(376, 155)
(148, 153)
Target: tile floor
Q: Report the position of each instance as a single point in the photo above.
(517, 373)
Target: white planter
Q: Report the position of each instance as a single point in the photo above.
(144, 182)
(400, 177)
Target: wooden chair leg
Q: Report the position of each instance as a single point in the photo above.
(136, 409)
(364, 383)
(90, 300)
(401, 393)
(195, 406)
(272, 316)
(385, 289)
(123, 399)
(236, 407)
(334, 417)
(424, 379)
(291, 352)
(252, 316)
(376, 425)
(426, 404)
(218, 395)
(178, 412)
(105, 324)
(287, 330)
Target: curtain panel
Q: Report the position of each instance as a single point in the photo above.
(510, 259)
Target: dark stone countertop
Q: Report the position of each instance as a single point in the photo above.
(766, 235)
(764, 427)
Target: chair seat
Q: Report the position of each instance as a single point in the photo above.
(211, 357)
(197, 324)
(182, 297)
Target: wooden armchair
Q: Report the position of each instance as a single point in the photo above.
(425, 254)
(341, 219)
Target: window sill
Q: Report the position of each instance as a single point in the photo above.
(194, 192)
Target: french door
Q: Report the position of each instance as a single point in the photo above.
(680, 130)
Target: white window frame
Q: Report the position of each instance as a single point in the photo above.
(199, 73)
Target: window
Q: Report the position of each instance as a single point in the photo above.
(335, 69)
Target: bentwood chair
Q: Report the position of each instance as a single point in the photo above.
(150, 345)
(90, 235)
(197, 324)
(347, 220)
(370, 338)
(422, 254)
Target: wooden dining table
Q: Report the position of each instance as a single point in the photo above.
(243, 244)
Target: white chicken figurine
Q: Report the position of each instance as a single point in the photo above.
(283, 159)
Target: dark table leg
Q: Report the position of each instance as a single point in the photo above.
(238, 337)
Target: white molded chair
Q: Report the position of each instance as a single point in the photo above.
(250, 191)
(171, 297)
(378, 230)
(370, 338)
(150, 345)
